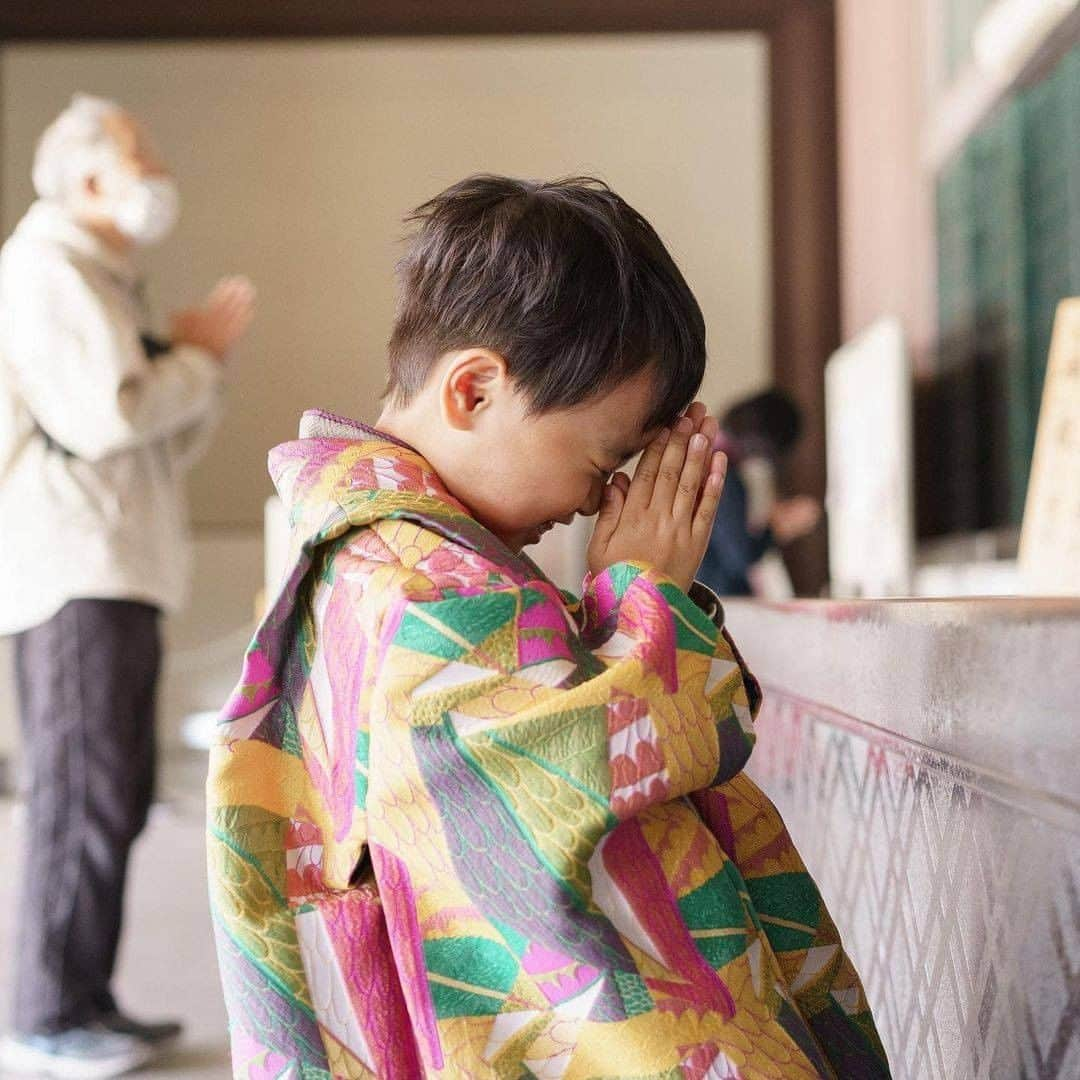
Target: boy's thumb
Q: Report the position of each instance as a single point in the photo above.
(608, 518)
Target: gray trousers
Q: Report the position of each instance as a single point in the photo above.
(86, 684)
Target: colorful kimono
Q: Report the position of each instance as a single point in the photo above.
(463, 825)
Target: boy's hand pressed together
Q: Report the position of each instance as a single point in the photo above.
(664, 516)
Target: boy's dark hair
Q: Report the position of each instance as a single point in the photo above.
(565, 280)
(768, 423)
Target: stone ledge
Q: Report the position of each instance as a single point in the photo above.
(993, 683)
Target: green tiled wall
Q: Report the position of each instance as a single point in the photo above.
(1008, 209)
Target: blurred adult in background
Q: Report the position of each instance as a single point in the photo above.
(98, 423)
(757, 431)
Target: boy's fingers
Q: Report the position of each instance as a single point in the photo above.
(690, 480)
(236, 281)
(237, 319)
(232, 292)
(669, 471)
(234, 297)
(710, 428)
(710, 497)
(696, 414)
(641, 487)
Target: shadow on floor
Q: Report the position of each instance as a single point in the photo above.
(196, 1060)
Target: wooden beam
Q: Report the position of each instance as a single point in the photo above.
(25, 20)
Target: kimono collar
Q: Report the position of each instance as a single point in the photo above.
(320, 424)
(342, 474)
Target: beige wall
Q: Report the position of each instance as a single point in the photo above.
(886, 194)
(298, 161)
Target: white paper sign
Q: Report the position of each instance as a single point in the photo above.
(1050, 537)
(870, 501)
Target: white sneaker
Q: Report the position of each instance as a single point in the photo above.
(84, 1053)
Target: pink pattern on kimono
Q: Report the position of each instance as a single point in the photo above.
(708, 1063)
(344, 650)
(543, 634)
(559, 976)
(258, 686)
(639, 776)
(633, 867)
(713, 808)
(357, 927)
(259, 1062)
(648, 618)
(303, 859)
(399, 904)
(600, 604)
(457, 566)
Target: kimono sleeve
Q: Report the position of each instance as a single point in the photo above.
(640, 701)
(291, 905)
(823, 981)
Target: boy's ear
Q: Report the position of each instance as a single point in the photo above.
(472, 382)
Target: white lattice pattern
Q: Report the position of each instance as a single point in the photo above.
(958, 894)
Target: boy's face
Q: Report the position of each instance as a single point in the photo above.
(524, 474)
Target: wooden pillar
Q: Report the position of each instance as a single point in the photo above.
(805, 238)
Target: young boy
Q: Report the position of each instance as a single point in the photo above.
(462, 825)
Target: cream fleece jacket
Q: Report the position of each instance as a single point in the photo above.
(94, 436)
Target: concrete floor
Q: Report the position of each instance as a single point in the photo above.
(167, 963)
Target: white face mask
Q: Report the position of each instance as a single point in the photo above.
(144, 208)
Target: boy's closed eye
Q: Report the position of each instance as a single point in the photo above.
(618, 459)
(607, 472)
